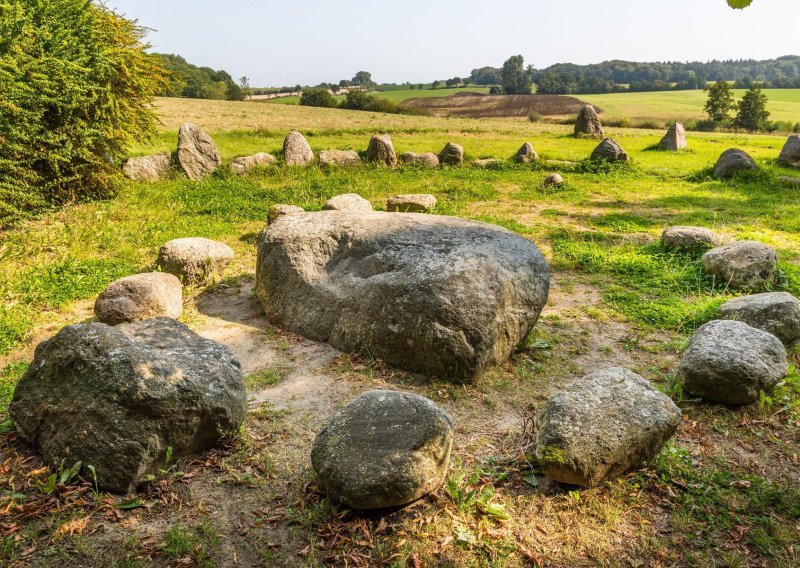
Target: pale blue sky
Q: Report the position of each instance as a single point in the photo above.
(278, 42)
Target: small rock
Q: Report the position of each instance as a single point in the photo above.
(486, 162)
(603, 425)
(197, 154)
(674, 139)
(732, 161)
(793, 181)
(526, 154)
(553, 180)
(280, 210)
(743, 265)
(148, 168)
(347, 202)
(588, 123)
(381, 151)
(339, 158)
(140, 297)
(384, 449)
(241, 166)
(296, 150)
(451, 155)
(411, 203)
(777, 313)
(689, 239)
(790, 154)
(610, 151)
(731, 362)
(428, 160)
(194, 259)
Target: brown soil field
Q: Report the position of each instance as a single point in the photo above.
(474, 105)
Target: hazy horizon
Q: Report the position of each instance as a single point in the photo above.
(280, 44)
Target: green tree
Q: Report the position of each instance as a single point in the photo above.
(357, 100)
(516, 79)
(317, 98)
(76, 87)
(720, 101)
(752, 110)
(739, 4)
(244, 85)
(363, 79)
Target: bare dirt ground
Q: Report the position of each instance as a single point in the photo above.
(475, 105)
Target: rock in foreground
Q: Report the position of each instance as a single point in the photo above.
(384, 449)
(743, 265)
(610, 151)
(602, 426)
(732, 161)
(411, 203)
(197, 154)
(117, 398)
(688, 239)
(777, 313)
(194, 259)
(148, 168)
(437, 295)
(790, 154)
(588, 123)
(140, 297)
(730, 362)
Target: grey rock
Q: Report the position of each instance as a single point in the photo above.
(381, 151)
(588, 123)
(451, 155)
(789, 180)
(603, 425)
(296, 150)
(610, 151)
(743, 265)
(790, 154)
(347, 202)
(194, 259)
(732, 161)
(139, 297)
(438, 295)
(148, 168)
(689, 239)
(486, 162)
(428, 160)
(526, 154)
(384, 449)
(674, 139)
(117, 398)
(731, 362)
(777, 313)
(280, 210)
(241, 166)
(553, 180)
(339, 158)
(411, 203)
(198, 156)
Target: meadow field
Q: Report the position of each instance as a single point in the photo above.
(724, 492)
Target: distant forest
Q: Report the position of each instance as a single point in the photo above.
(191, 81)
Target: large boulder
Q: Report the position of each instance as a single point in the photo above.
(777, 313)
(139, 297)
(427, 160)
(279, 210)
(526, 154)
(790, 154)
(347, 202)
(296, 150)
(438, 295)
(732, 161)
(197, 154)
(602, 426)
(381, 151)
(411, 203)
(674, 139)
(148, 168)
(339, 158)
(120, 398)
(194, 259)
(451, 155)
(384, 449)
(743, 265)
(588, 123)
(610, 151)
(241, 166)
(688, 239)
(731, 362)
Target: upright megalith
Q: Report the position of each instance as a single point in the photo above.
(588, 123)
(381, 151)
(296, 150)
(198, 156)
(451, 155)
(790, 154)
(526, 154)
(674, 139)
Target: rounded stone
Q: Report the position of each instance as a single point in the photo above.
(426, 160)
(742, 265)
(588, 123)
(688, 239)
(777, 313)
(148, 168)
(610, 151)
(732, 161)
(451, 155)
(790, 154)
(553, 180)
(280, 210)
(381, 151)
(411, 203)
(241, 166)
(339, 158)
(194, 259)
(296, 150)
(526, 154)
(384, 449)
(140, 297)
(347, 202)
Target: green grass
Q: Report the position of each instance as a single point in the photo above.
(266, 377)
(396, 96)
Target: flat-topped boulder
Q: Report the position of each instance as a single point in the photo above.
(603, 425)
(381, 151)
(731, 362)
(384, 449)
(486, 162)
(675, 138)
(296, 150)
(588, 123)
(790, 154)
(241, 166)
(451, 155)
(121, 398)
(777, 313)
(733, 161)
(426, 160)
(526, 154)
(198, 156)
(140, 297)
(441, 296)
(279, 210)
(347, 202)
(411, 203)
(148, 168)
(194, 259)
(339, 158)
(610, 151)
(689, 239)
(743, 265)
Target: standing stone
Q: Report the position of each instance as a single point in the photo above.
(688, 239)
(526, 154)
(603, 425)
(790, 155)
(381, 151)
(428, 160)
(732, 161)
(674, 139)
(451, 155)
(241, 166)
(610, 151)
(553, 180)
(280, 210)
(743, 265)
(347, 202)
(148, 168)
(194, 259)
(588, 123)
(777, 313)
(731, 362)
(120, 398)
(384, 449)
(339, 158)
(411, 203)
(197, 154)
(296, 150)
(140, 297)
